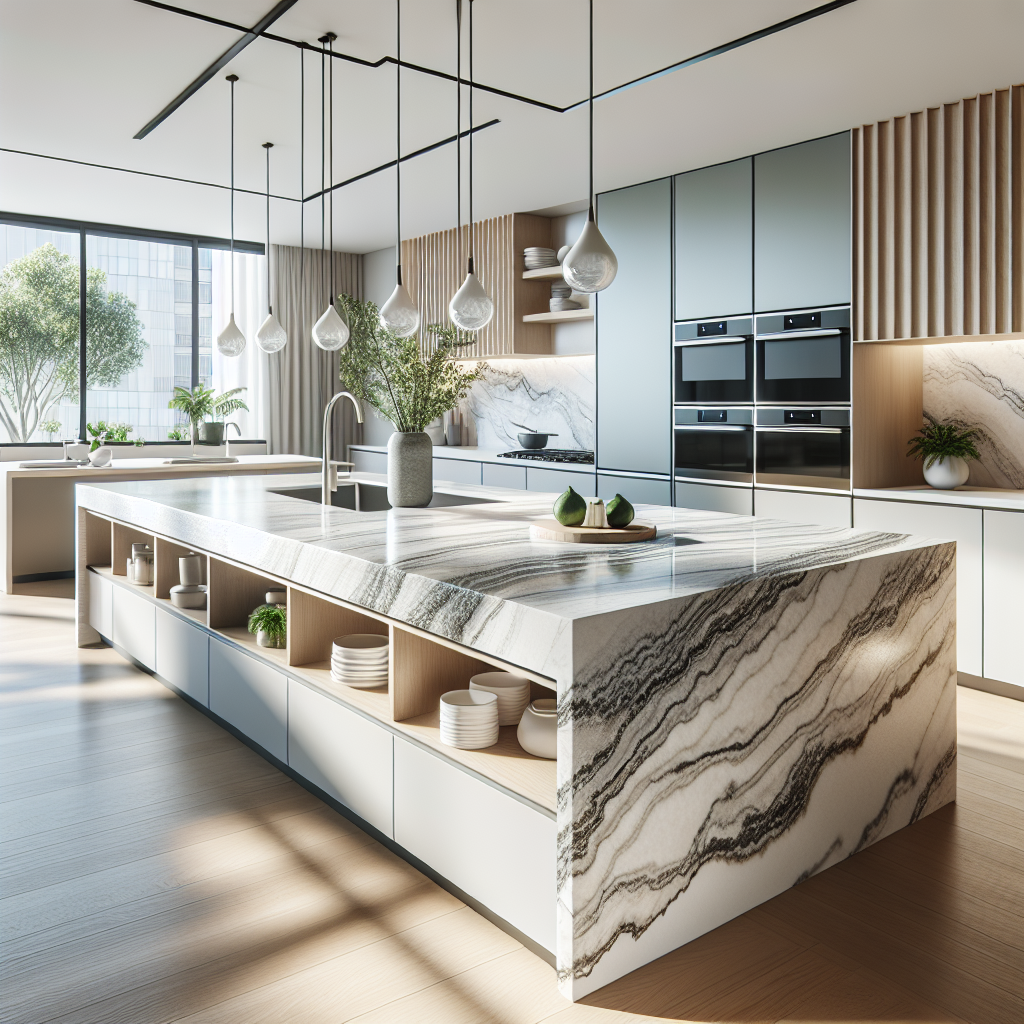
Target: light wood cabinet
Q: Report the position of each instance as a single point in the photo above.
(495, 848)
(134, 626)
(1004, 595)
(803, 507)
(250, 696)
(183, 655)
(941, 522)
(341, 752)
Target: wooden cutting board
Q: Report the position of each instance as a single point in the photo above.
(551, 529)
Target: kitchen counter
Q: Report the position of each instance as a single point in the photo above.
(968, 497)
(469, 453)
(742, 702)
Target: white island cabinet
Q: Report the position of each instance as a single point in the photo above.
(1004, 595)
(251, 696)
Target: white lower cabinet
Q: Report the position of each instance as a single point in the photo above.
(803, 507)
(344, 754)
(101, 604)
(492, 846)
(737, 501)
(183, 655)
(941, 522)
(459, 471)
(134, 626)
(250, 696)
(1004, 596)
(556, 481)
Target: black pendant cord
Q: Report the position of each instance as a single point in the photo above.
(590, 194)
(268, 146)
(302, 192)
(323, 156)
(232, 79)
(471, 246)
(330, 165)
(398, 140)
(458, 138)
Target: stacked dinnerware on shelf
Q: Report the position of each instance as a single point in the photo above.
(513, 693)
(360, 660)
(560, 297)
(469, 719)
(535, 257)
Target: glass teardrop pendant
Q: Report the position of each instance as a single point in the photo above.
(590, 265)
(271, 336)
(471, 307)
(231, 341)
(399, 314)
(330, 332)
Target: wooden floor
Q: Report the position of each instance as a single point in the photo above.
(156, 869)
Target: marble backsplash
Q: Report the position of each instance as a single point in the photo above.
(552, 395)
(981, 384)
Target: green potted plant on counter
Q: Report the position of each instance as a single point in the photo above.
(269, 623)
(946, 449)
(205, 411)
(409, 382)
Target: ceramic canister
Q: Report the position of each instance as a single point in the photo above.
(190, 570)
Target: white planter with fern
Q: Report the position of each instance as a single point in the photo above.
(945, 449)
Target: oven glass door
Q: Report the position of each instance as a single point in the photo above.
(811, 367)
(720, 371)
(804, 456)
(712, 452)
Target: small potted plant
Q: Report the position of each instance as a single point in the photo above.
(270, 624)
(946, 449)
(409, 382)
(202, 402)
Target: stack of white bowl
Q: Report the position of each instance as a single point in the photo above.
(513, 693)
(469, 719)
(360, 660)
(561, 297)
(536, 256)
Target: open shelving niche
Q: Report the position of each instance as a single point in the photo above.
(422, 666)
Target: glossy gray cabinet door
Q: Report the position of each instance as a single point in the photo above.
(634, 325)
(714, 240)
(556, 481)
(802, 232)
(635, 489)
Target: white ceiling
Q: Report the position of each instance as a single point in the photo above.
(78, 78)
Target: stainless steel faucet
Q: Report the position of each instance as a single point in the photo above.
(232, 423)
(325, 479)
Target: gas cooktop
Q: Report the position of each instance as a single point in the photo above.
(577, 456)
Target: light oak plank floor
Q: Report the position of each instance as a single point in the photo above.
(153, 869)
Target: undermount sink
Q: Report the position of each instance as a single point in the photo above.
(372, 497)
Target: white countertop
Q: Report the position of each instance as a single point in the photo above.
(120, 468)
(966, 497)
(470, 453)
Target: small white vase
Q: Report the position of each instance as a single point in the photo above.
(410, 470)
(946, 473)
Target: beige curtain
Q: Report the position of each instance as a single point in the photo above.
(302, 377)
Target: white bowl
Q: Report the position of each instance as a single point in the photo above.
(469, 719)
(360, 642)
(538, 730)
(513, 693)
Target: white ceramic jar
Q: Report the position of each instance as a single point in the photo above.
(946, 473)
(538, 729)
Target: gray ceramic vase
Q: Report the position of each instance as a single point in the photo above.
(211, 432)
(410, 470)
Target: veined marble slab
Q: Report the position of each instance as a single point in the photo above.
(742, 702)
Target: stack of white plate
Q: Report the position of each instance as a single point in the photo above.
(513, 693)
(560, 297)
(360, 660)
(469, 719)
(537, 256)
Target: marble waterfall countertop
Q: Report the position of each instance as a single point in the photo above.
(741, 702)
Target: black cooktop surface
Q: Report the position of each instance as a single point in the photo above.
(576, 456)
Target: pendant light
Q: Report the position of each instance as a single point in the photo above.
(590, 265)
(271, 336)
(231, 341)
(471, 307)
(399, 314)
(330, 332)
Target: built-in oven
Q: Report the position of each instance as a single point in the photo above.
(714, 361)
(714, 444)
(803, 447)
(804, 357)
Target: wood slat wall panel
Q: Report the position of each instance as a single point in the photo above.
(938, 211)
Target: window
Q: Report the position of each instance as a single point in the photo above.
(39, 334)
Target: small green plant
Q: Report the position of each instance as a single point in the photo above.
(178, 434)
(269, 620)
(50, 427)
(103, 432)
(938, 441)
(202, 402)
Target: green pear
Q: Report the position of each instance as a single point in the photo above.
(619, 512)
(569, 508)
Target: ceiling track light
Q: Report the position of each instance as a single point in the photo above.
(231, 341)
(471, 308)
(271, 336)
(590, 265)
(330, 332)
(399, 314)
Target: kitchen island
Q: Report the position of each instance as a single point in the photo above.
(742, 702)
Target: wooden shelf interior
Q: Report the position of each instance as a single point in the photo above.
(543, 274)
(98, 539)
(234, 593)
(313, 624)
(167, 575)
(123, 537)
(560, 316)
